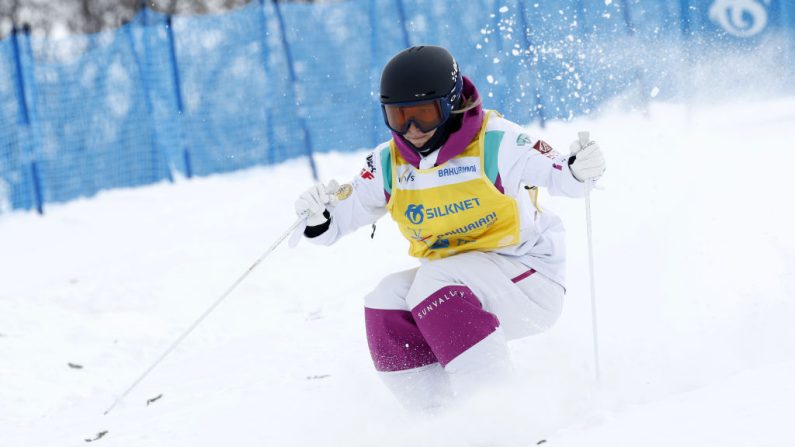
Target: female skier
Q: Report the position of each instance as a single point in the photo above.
(460, 183)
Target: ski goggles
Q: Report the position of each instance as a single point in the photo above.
(426, 115)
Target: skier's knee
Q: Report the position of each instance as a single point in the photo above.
(390, 293)
(546, 297)
(394, 340)
(452, 320)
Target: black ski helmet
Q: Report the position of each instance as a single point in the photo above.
(421, 73)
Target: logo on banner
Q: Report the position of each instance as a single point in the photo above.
(741, 18)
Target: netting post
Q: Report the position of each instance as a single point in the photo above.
(788, 23)
(374, 69)
(294, 82)
(271, 149)
(172, 52)
(587, 100)
(25, 114)
(155, 151)
(402, 16)
(687, 35)
(641, 80)
(539, 106)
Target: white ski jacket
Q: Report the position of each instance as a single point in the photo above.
(522, 161)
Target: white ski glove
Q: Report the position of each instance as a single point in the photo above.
(312, 203)
(587, 162)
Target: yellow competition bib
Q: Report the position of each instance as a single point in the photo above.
(455, 207)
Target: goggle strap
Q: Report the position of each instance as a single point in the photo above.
(468, 107)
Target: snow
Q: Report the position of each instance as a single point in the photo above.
(694, 272)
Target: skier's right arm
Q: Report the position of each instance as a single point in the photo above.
(329, 220)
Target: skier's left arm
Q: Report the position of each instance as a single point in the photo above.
(562, 174)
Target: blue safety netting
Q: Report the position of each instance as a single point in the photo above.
(11, 160)
(164, 96)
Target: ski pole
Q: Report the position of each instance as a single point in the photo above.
(584, 138)
(342, 193)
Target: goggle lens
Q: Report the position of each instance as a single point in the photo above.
(426, 116)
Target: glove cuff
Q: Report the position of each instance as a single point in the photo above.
(312, 231)
(571, 162)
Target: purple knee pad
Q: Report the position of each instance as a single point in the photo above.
(395, 342)
(452, 320)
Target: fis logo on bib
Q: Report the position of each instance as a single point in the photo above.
(416, 214)
(405, 175)
(408, 177)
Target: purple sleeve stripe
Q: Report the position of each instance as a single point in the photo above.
(523, 275)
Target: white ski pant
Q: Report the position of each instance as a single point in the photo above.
(441, 329)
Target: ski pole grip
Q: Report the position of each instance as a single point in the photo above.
(584, 137)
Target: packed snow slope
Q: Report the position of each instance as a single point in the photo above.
(695, 275)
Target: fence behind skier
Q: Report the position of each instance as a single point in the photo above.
(165, 95)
